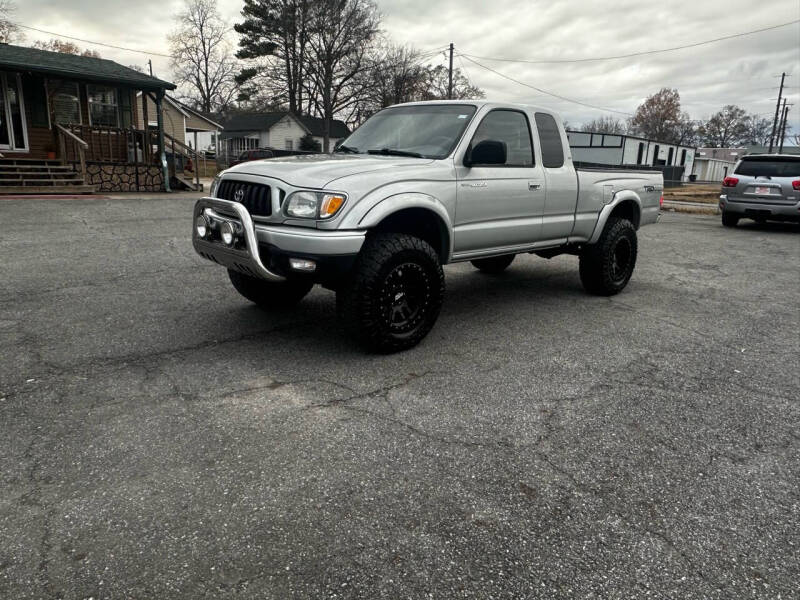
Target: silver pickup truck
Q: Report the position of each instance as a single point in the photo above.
(418, 186)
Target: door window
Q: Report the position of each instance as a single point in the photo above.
(510, 127)
(13, 130)
(550, 139)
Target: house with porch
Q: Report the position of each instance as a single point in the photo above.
(70, 124)
(183, 123)
(282, 129)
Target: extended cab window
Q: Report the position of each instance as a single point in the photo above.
(510, 127)
(550, 140)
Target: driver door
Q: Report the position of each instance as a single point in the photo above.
(500, 206)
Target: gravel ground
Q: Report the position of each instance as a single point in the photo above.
(162, 438)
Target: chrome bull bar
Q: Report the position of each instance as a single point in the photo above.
(230, 257)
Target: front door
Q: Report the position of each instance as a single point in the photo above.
(500, 206)
(13, 130)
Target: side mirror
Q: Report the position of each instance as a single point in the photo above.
(487, 152)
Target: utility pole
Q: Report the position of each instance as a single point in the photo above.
(777, 108)
(783, 124)
(450, 75)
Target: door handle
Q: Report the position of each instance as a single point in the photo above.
(534, 185)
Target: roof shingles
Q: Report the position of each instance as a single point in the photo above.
(59, 64)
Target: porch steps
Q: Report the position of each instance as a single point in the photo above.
(186, 184)
(40, 176)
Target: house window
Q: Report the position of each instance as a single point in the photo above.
(66, 103)
(289, 144)
(103, 107)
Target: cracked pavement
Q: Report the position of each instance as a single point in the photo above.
(161, 437)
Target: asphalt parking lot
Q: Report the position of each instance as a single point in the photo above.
(163, 438)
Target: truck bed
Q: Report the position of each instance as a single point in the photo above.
(599, 186)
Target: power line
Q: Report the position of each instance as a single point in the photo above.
(541, 91)
(643, 53)
(69, 37)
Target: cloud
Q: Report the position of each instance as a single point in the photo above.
(740, 71)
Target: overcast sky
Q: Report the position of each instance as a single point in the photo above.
(743, 71)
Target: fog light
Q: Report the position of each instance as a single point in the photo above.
(202, 226)
(302, 264)
(226, 232)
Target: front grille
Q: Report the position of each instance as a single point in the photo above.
(255, 197)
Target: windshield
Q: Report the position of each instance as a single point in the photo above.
(769, 167)
(426, 130)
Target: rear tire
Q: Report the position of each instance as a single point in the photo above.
(270, 294)
(394, 294)
(729, 219)
(494, 264)
(607, 266)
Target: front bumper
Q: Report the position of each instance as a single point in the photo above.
(763, 210)
(264, 250)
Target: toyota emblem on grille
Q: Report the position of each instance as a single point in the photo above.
(239, 195)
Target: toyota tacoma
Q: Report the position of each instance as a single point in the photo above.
(418, 186)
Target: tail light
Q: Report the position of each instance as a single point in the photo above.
(796, 184)
(661, 201)
(730, 182)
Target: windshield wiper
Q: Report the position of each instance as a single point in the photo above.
(349, 149)
(392, 152)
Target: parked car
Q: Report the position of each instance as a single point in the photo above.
(261, 153)
(418, 186)
(763, 187)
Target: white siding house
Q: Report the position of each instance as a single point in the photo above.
(711, 169)
(279, 130)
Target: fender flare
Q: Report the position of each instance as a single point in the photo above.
(619, 198)
(404, 200)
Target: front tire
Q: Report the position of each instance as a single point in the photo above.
(494, 264)
(729, 219)
(607, 266)
(270, 295)
(395, 293)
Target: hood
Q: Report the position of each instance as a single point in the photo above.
(319, 170)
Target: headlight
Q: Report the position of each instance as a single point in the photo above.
(306, 204)
(303, 205)
(213, 189)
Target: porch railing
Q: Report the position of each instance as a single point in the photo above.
(77, 147)
(112, 144)
(180, 157)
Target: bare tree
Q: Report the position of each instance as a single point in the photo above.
(660, 118)
(605, 125)
(727, 128)
(55, 45)
(274, 39)
(396, 75)
(202, 58)
(9, 31)
(758, 131)
(341, 32)
(437, 85)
